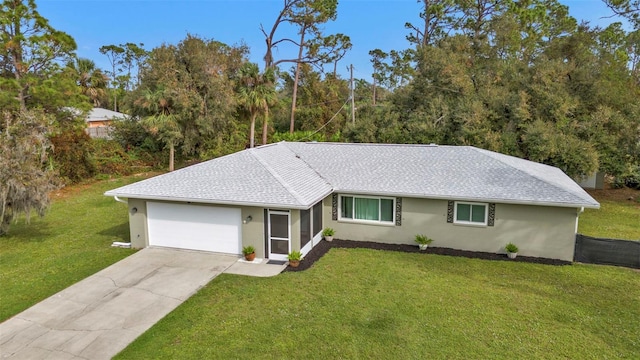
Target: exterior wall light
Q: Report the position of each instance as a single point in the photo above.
(247, 220)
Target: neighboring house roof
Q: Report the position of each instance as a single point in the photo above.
(100, 114)
(297, 175)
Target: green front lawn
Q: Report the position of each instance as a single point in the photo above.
(353, 303)
(70, 243)
(358, 303)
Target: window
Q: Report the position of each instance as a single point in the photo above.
(305, 227)
(317, 218)
(367, 209)
(310, 223)
(471, 213)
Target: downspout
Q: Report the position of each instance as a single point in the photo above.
(578, 217)
(118, 243)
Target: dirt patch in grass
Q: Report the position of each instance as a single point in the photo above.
(624, 195)
(324, 246)
(67, 191)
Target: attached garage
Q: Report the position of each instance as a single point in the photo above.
(195, 227)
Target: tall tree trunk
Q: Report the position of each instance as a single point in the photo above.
(16, 55)
(171, 155)
(374, 92)
(265, 126)
(425, 39)
(252, 130)
(22, 94)
(294, 98)
(115, 94)
(268, 57)
(268, 38)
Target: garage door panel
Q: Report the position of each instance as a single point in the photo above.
(194, 227)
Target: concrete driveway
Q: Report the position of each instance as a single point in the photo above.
(102, 314)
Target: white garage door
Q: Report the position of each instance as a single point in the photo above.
(194, 227)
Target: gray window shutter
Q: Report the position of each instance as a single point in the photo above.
(492, 214)
(334, 207)
(398, 211)
(450, 205)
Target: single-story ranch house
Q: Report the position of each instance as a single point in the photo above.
(279, 197)
(99, 120)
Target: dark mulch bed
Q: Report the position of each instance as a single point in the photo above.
(319, 250)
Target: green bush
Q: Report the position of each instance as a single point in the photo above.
(247, 250)
(304, 136)
(110, 158)
(130, 133)
(295, 256)
(72, 155)
(632, 180)
(423, 239)
(139, 144)
(328, 232)
(511, 248)
(618, 183)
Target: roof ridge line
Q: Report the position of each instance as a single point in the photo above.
(367, 144)
(285, 143)
(526, 172)
(276, 176)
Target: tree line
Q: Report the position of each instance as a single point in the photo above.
(519, 77)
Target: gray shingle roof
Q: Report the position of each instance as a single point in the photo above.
(100, 114)
(297, 175)
(269, 176)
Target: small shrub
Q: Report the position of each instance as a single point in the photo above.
(328, 232)
(618, 183)
(295, 256)
(248, 250)
(423, 239)
(511, 248)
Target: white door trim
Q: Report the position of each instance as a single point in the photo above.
(269, 237)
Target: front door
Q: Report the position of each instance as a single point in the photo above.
(279, 234)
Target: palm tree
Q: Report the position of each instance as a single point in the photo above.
(160, 119)
(257, 93)
(91, 79)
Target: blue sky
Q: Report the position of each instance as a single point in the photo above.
(370, 24)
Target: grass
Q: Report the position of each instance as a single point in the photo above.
(70, 243)
(360, 303)
(354, 303)
(617, 218)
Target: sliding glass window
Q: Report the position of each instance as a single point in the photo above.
(365, 208)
